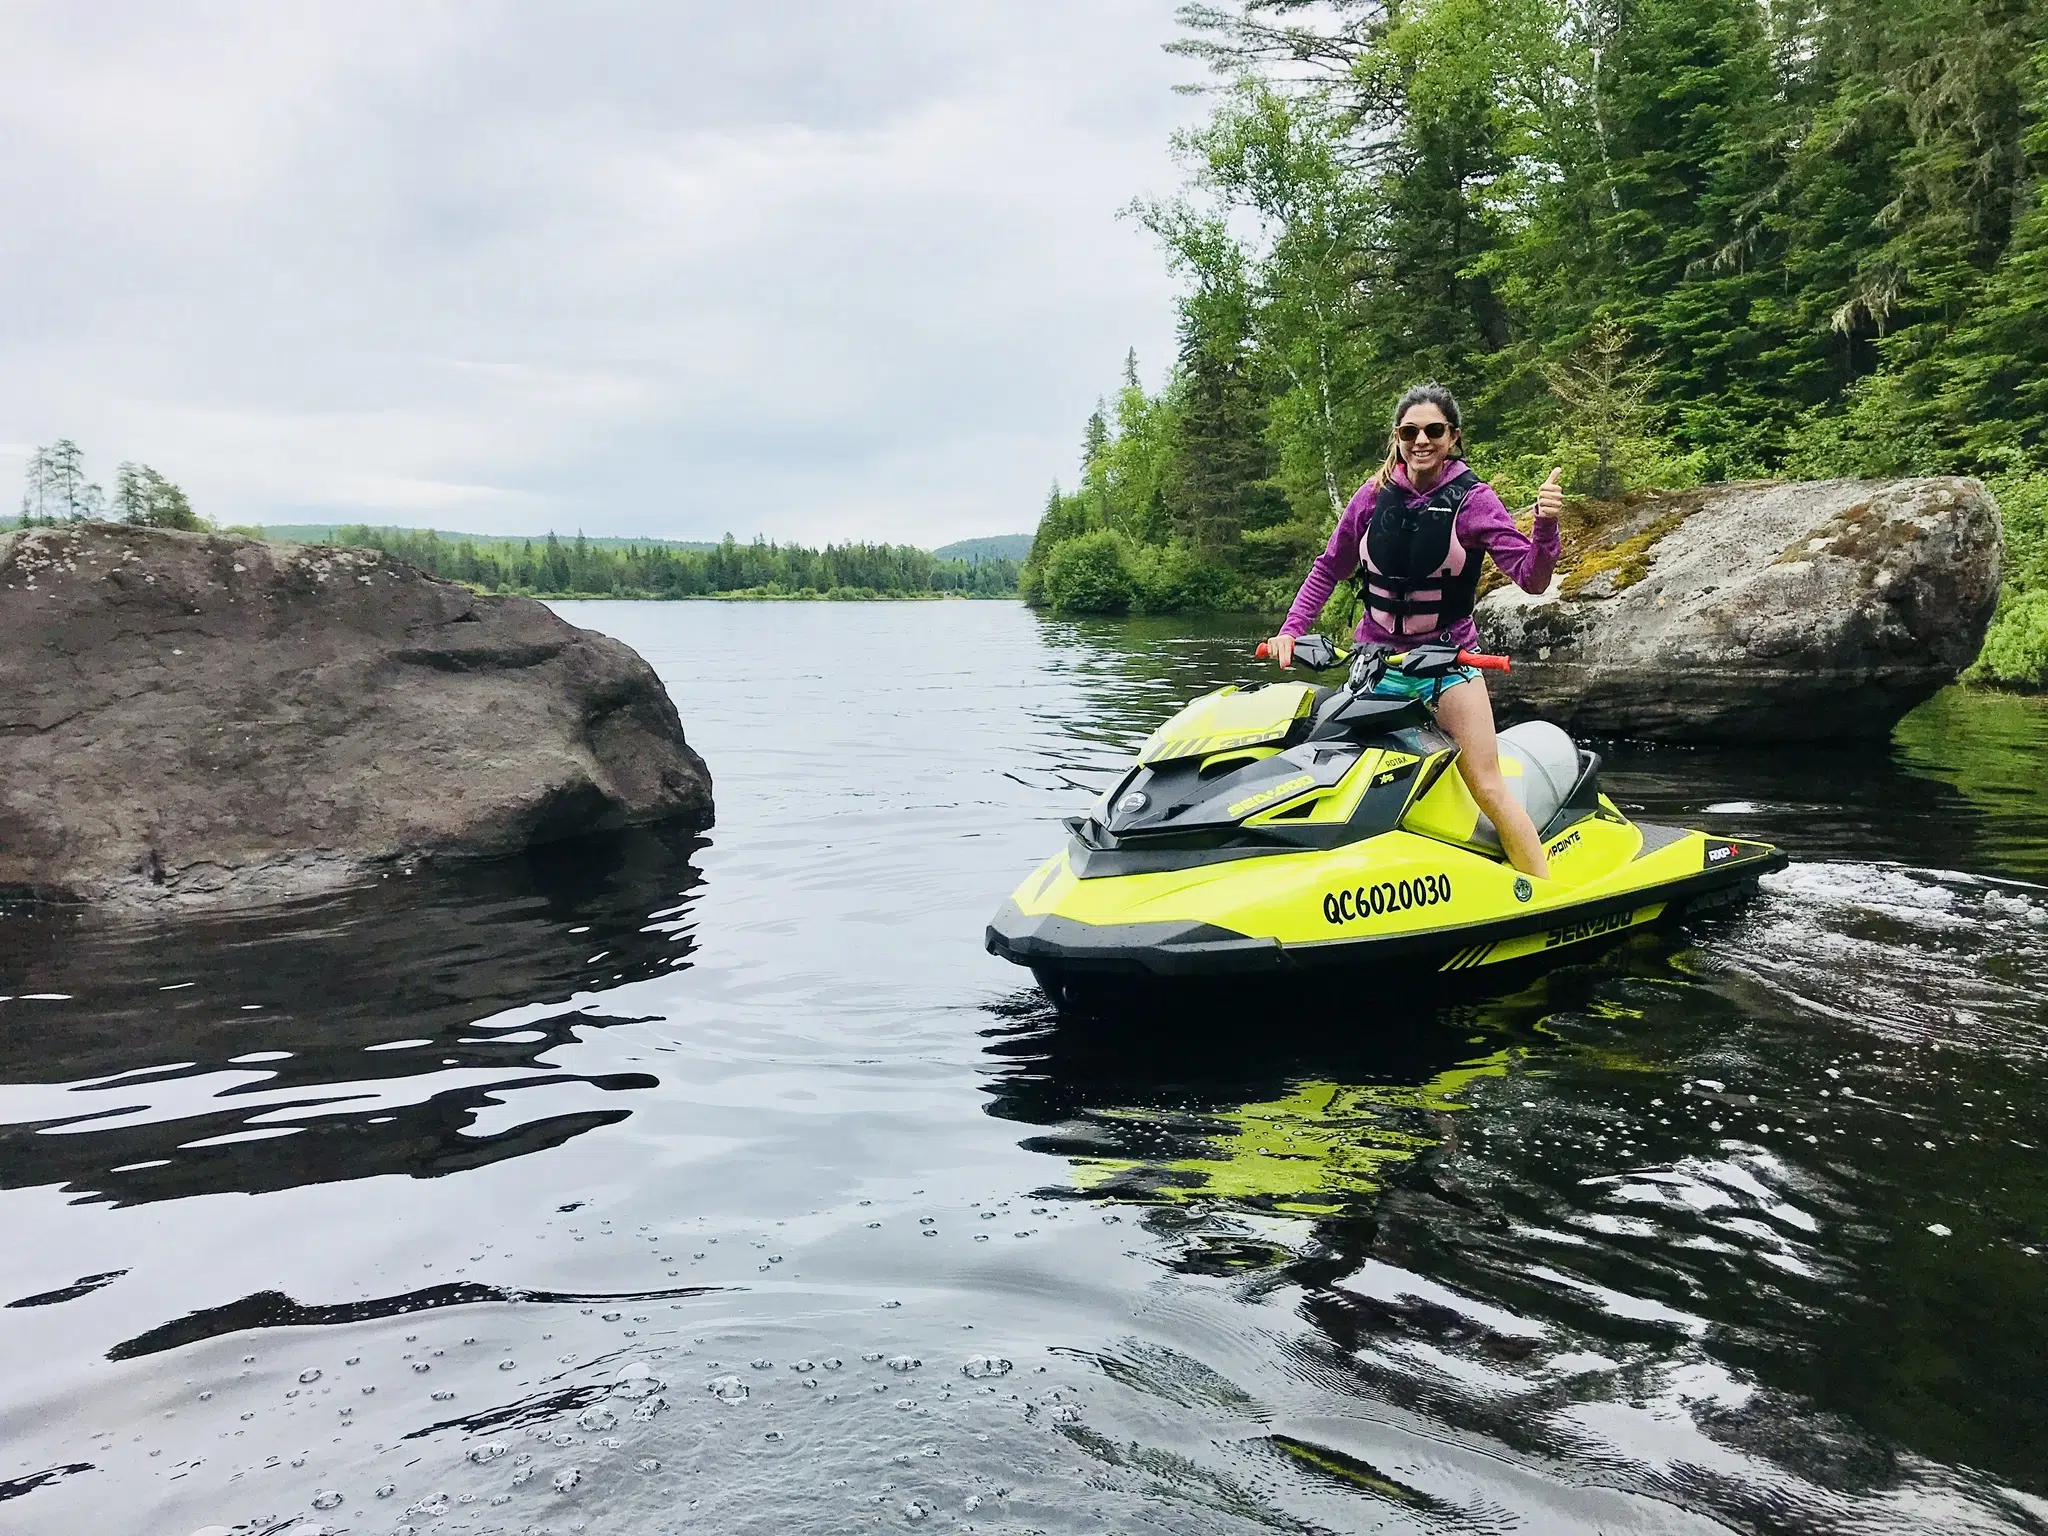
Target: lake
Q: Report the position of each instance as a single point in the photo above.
(725, 1184)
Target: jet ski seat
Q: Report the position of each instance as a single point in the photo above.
(1550, 769)
(1557, 784)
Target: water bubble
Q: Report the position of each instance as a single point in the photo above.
(916, 1510)
(353, 1360)
(647, 1464)
(611, 1442)
(206, 1397)
(327, 1498)
(762, 1364)
(368, 1390)
(871, 1355)
(490, 1451)
(904, 1362)
(310, 1375)
(508, 1365)
(653, 1406)
(834, 1363)
(1066, 1413)
(469, 1341)
(443, 1396)
(773, 1434)
(420, 1367)
(890, 1306)
(247, 1417)
(523, 1476)
(566, 1479)
(803, 1367)
(611, 1317)
(727, 1389)
(928, 1450)
(432, 1507)
(972, 1503)
(592, 1420)
(386, 1490)
(635, 1380)
(982, 1367)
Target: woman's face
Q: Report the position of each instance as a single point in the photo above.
(1425, 454)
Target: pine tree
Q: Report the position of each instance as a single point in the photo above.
(146, 498)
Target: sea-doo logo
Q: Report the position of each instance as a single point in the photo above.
(1387, 896)
(1563, 843)
(1523, 889)
(1591, 928)
(1268, 795)
(1721, 853)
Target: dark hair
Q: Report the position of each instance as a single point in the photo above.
(1431, 393)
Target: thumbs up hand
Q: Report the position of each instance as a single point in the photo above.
(1550, 495)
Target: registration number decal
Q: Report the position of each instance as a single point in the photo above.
(1387, 896)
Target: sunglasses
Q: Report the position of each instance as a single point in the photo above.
(1435, 431)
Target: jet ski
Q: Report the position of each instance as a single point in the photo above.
(1290, 827)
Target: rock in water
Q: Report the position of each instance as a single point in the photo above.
(213, 717)
(1758, 612)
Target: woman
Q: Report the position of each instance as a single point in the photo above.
(1422, 527)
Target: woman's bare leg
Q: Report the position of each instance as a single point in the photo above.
(1466, 713)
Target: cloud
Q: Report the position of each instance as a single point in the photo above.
(822, 271)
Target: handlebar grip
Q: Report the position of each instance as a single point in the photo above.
(1260, 653)
(1485, 663)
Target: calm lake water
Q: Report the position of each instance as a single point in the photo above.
(726, 1185)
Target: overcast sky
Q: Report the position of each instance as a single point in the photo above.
(849, 269)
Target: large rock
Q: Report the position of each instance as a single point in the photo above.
(1757, 612)
(216, 718)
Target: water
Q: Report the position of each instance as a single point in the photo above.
(726, 1185)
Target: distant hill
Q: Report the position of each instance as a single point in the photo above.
(324, 533)
(1001, 546)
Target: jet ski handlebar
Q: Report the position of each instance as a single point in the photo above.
(1317, 653)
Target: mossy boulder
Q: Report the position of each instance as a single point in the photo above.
(1759, 611)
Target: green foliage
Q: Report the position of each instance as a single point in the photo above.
(2015, 653)
(554, 567)
(1660, 243)
(55, 489)
(1092, 574)
(147, 499)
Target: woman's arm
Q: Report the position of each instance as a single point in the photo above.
(1334, 564)
(1528, 560)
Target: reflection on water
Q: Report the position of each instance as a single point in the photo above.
(404, 1029)
(727, 1185)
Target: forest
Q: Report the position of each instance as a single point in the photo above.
(1660, 243)
(580, 567)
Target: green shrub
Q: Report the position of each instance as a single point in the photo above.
(2015, 653)
(1879, 434)
(1091, 574)
(1173, 579)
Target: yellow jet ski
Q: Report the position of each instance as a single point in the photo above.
(1289, 826)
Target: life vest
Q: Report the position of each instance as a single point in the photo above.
(1415, 577)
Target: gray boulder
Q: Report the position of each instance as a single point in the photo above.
(211, 718)
(1754, 612)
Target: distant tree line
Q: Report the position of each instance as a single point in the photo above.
(558, 567)
(1660, 242)
(56, 490)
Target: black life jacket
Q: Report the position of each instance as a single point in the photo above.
(1406, 548)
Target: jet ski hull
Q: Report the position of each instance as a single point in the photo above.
(1364, 907)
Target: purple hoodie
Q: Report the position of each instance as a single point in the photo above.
(1483, 525)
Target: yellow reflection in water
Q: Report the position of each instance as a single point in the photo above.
(1323, 1145)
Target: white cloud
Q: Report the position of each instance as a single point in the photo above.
(834, 270)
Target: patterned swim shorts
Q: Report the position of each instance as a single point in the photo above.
(1399, 685)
